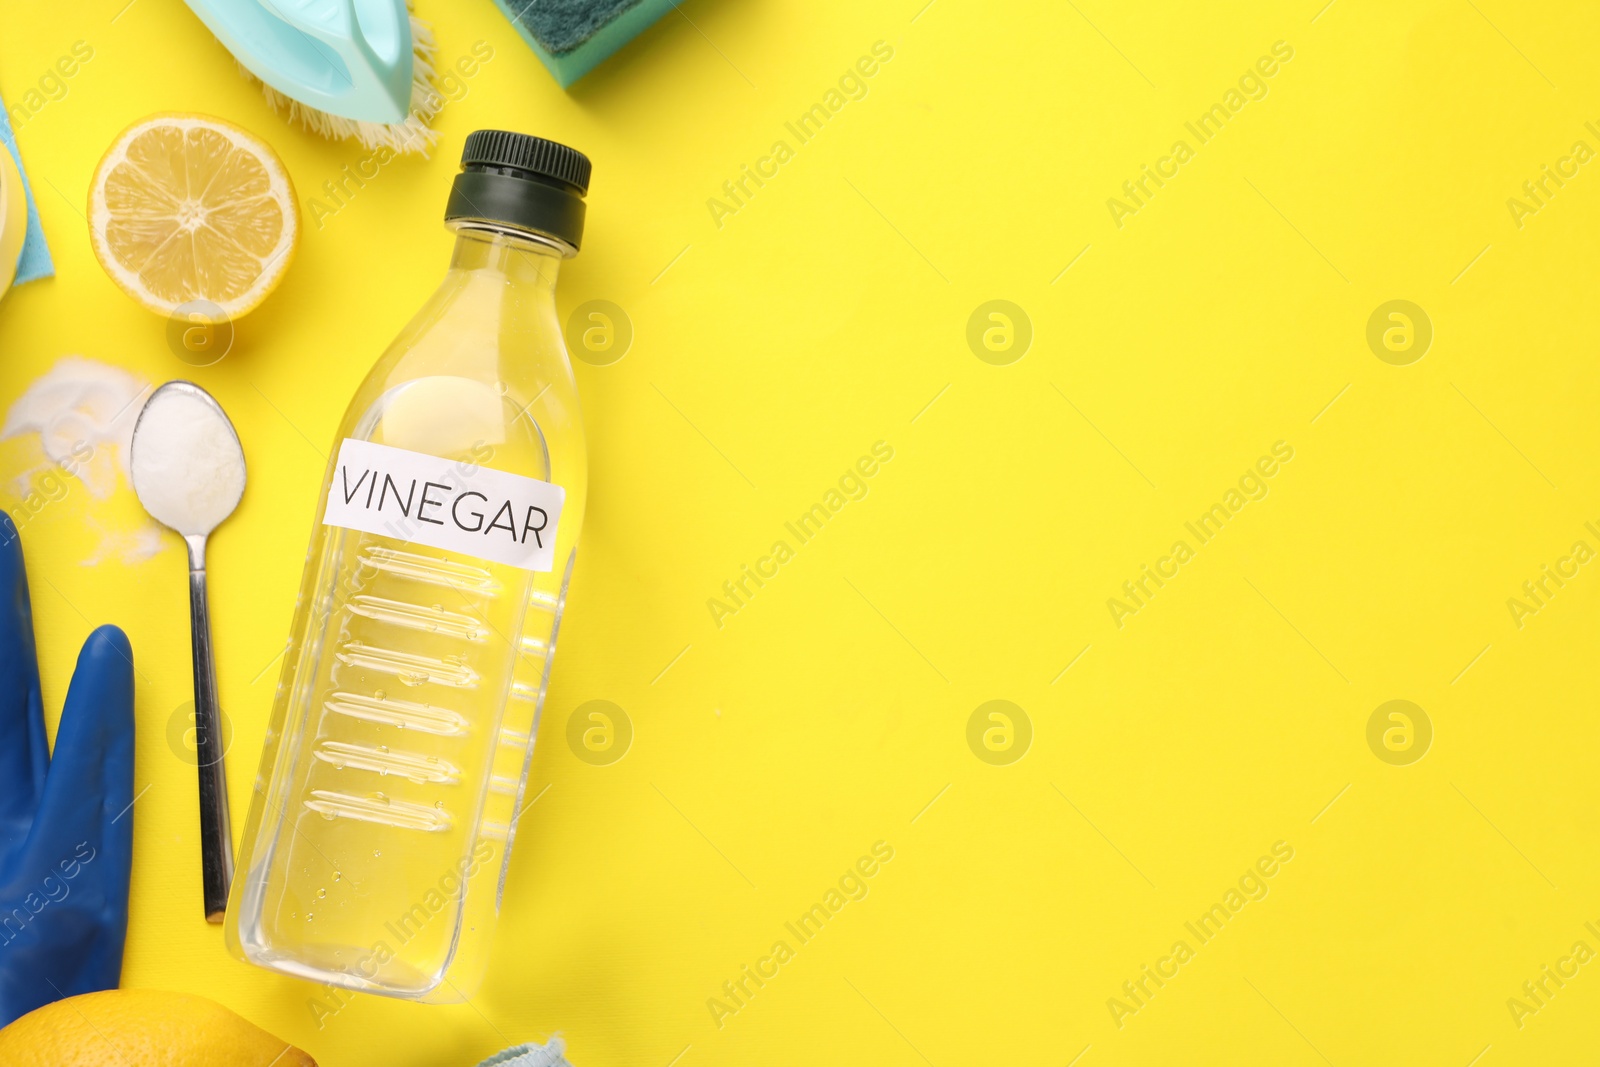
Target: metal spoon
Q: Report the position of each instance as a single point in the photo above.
(185, 459)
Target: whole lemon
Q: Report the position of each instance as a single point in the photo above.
(141, 1028)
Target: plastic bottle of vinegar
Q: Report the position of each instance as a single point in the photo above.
(397, 754)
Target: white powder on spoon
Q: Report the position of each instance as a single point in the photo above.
(188, 468)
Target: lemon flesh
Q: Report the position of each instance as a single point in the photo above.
(186, 208)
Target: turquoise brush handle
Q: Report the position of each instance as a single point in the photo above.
(322, 53)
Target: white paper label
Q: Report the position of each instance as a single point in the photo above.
(447, 504)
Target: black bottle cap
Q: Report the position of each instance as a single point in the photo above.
(521, 182)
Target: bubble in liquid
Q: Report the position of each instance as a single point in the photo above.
(378, 694)
(376, 853)
(337, 876)
(321, 893)
(309, 916)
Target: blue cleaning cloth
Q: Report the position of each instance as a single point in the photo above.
(35, 260)
(66, 820)
(530, 1056)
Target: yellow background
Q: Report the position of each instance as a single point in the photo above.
(831, 711)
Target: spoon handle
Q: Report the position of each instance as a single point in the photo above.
(216, 834)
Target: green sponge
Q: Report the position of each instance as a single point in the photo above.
(572, 37)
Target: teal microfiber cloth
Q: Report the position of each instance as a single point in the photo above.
(572, 37)
(530, 1056)
(35, 260)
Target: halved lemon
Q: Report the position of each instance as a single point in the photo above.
(188, 207)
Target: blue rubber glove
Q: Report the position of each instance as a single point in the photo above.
(66, 826)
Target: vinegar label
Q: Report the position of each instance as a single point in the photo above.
(446, 504)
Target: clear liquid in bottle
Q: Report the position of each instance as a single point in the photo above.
(396, 759)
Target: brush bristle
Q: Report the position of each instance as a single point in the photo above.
(412, 135)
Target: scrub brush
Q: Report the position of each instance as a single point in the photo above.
(356, 69)
(409, 135)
